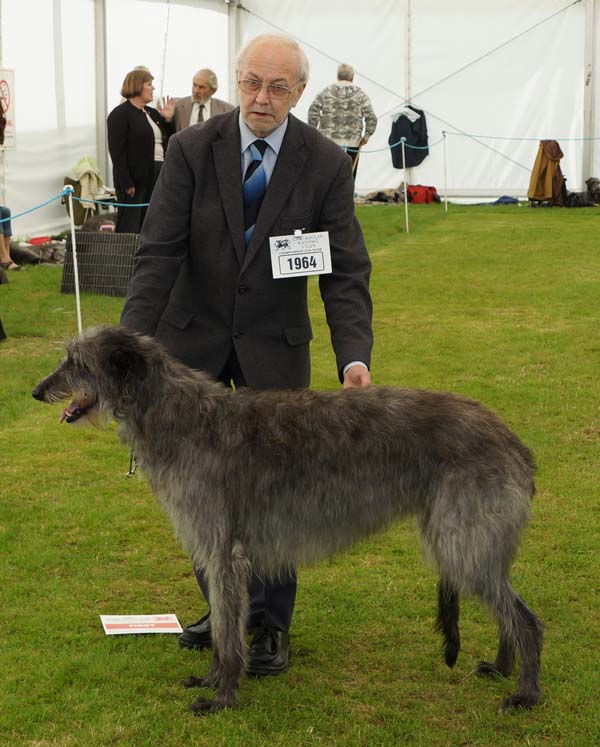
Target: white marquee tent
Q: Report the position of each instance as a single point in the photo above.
(492, 77)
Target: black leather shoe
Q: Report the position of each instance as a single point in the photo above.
(269, 652)
(197, 635)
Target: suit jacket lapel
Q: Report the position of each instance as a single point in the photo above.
(185, 111)
(227, 155)
(290, 163)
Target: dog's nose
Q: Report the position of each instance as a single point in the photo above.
(38, 393)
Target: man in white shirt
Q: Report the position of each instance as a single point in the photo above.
(201, 105)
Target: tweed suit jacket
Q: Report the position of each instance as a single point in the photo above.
(200, 292)
(183, 110)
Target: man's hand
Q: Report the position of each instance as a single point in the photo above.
(357, 377)
(130, 191)
(167, 108)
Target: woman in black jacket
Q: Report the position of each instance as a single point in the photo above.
(137, 141)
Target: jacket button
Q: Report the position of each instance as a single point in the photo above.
(243, 289)
(236, 335)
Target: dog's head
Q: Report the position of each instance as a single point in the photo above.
(593, 186)
(101, 374)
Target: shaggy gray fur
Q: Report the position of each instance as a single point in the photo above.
(265, 480)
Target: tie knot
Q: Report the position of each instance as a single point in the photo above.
(257, 149)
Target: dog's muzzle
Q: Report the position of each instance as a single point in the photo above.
(77, 409)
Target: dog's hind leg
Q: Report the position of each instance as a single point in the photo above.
(505, 658)
(521, 631)
(227, 576)
(447, 620)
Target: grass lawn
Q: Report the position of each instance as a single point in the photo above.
(498, 303)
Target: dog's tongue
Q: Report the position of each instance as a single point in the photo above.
(69, 411)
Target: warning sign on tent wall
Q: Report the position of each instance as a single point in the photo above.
(7, 97)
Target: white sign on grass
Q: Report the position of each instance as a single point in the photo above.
(130, 624)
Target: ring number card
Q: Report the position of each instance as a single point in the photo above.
(300, 254)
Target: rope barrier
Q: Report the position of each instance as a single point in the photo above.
(36, 207)
(67, 192)
(521, 139)
(350, 149)
(112, 204)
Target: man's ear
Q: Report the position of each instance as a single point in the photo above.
(299, 92)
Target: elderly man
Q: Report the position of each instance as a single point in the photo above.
(204, 283)
(343, 113)
(201, 105)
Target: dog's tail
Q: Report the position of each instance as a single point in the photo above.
(447, 620)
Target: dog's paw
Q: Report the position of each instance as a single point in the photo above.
(487, 669)
(212, 679)
(193, 682)
(201, 707)
(520, 701)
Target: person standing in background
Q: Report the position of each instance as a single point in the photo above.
(6, 263)
(137, 142)
(343, 113)
(201, 105)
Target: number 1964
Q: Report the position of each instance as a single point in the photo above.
(306, 262)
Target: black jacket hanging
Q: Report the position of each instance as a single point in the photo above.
(415, 133)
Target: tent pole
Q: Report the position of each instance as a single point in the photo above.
(101, 96)
(408, 82)
(588, 149)
(404, 170)
(69, 190)
(445, 175)
(233, 47)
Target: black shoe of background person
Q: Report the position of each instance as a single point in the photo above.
(269, 652)
(197, 635)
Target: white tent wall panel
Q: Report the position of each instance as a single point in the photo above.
(594, 82)
(49, 43)
(530, 88)
(195, 33)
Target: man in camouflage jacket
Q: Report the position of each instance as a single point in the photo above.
(343, 113)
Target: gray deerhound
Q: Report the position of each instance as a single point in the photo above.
(264, 480)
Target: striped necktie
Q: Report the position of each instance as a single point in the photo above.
(254, 186)
(201, 113)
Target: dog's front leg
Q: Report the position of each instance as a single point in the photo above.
(212, 677)
(227, 577)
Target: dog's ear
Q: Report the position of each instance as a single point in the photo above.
(128, 364)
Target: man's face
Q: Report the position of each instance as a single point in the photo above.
(270, 62)
(201, 89)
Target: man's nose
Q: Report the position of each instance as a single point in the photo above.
(263, 95)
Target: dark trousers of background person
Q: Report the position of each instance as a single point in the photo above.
(354, 155)
(271, 602)
(130, 219)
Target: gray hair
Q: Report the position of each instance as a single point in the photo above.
(210, 76)
(302, 58)
(345, 72)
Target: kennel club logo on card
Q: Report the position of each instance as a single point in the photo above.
(300, 254)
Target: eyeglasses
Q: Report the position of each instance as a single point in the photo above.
(274, 91)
